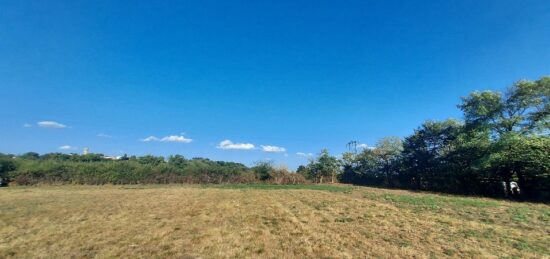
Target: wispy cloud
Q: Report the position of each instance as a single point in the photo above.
(149, 139)
(364, 146)
(272, 149)
(172, 138)
(27, 125)
(304, 154)
(67, 147)
(228, 144)
(50, 124)
(103, 135)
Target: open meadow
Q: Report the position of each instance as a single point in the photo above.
(228, 221)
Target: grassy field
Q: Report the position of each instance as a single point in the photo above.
(264, 221)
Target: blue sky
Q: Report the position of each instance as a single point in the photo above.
(298, 75)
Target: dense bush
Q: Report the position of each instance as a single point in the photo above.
(281, 175)
(56, 168)
(6, 165)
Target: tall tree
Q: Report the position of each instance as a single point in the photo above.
(388, 153)
(525, 159)
(325, 166)
(523, 108)
(425, 154)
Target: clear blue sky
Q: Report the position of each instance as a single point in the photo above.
(301, 75)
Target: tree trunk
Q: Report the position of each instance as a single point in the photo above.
(521, 183)
(506, 188)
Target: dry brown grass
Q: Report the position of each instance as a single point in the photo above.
(192, 221)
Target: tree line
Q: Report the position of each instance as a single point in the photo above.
(58, 168)
(503, 138)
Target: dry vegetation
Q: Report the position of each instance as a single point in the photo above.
(263, 221)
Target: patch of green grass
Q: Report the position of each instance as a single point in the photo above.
(467, 233)
(264, 186)
(544, 215)
(470, 202)
(427, 202)
(520, 214)
(432, 202)
(403, 243)
(449, 252)
(320, 206)
(343, 219)
(489, 233)
(524, 245)
(477, 234)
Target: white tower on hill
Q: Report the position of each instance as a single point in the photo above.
(86, 151)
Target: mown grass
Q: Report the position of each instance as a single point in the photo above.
(264, 221)
(488, 213)
(432, 201)
(265, 186)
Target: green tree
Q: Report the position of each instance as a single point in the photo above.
(522, 111)
(302, 170)
(466, 164)
(525, 159)
(56, 156)
(325, 166)
(361, 168)
(425, 154)
(6, 165)
(30, 156)
(177, 161)
(150, 160)
(523, 108)
(263, 170)
(388, 156)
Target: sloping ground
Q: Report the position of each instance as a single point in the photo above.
(260, 221)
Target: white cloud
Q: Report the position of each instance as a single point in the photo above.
(149, 139)
(364, 146)
(27, 125)
(272, 149)
(50, 124)
(67, 147)
(228, 144)
(304, 154)
(173, 138)
(103, 135)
